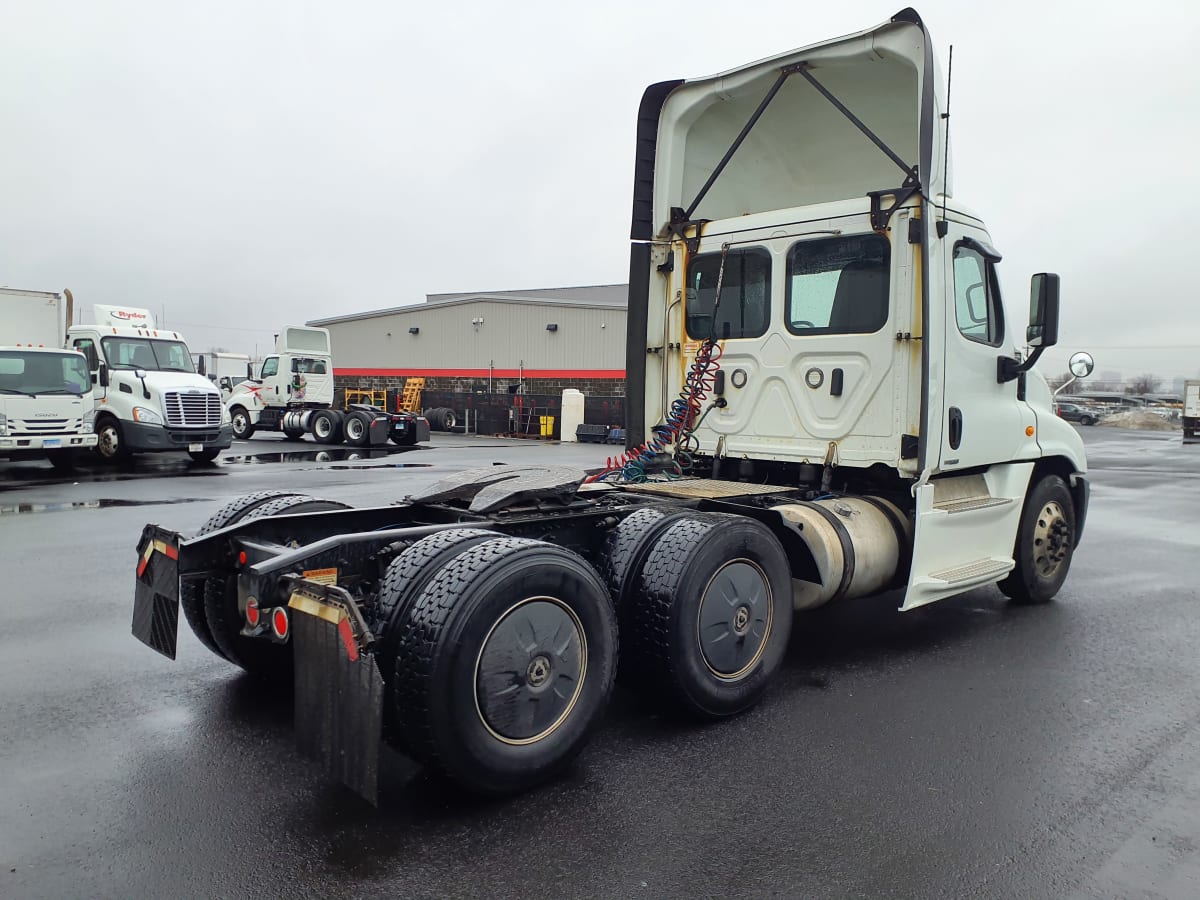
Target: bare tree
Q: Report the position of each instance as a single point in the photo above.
(1143, 384)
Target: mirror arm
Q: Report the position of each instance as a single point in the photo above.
(1008, 369)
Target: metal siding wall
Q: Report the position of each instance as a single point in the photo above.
(510, 333)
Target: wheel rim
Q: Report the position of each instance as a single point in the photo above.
(240, 422)
(1051, 539)
(322, 427)
(734, 619)
(108, 441)
(530, 671)
(354, 429)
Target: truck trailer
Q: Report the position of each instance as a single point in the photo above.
(826, 402)
(1191, 410)
(46, 404)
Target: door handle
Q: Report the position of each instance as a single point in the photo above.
(956, 427)
(835, 383)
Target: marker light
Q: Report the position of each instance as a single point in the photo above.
(279, 622)
(252, 614)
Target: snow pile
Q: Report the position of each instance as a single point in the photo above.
(1136, 418)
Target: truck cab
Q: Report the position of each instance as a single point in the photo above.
(297, 377)
(149, 397)
(811, 304)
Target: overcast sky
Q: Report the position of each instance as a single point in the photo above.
(242, 165)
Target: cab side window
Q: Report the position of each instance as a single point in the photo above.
(977, 297)
(270, 366)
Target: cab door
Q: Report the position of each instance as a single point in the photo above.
(271, 392)
(983, 421)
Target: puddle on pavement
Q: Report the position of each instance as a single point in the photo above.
(337, 454)
(12, 509)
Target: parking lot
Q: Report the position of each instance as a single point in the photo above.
(965, 749)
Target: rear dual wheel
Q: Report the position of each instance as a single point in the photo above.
(504, 661)
(705, 608)
(326, 426)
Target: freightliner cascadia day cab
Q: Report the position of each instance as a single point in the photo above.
(826, 401)
(294, 394)
(149, 397)
(46, 405)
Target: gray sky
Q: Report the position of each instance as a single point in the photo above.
(253, 163)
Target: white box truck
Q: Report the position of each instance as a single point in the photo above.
(46, 405)
(1191, 410)
(149, 397)
(225, 370)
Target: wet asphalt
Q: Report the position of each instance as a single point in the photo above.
(967, 749)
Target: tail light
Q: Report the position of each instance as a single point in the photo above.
(279, 622)
(252, 615)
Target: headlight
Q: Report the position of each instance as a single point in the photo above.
(89, 422)
(146, 416)
(225, 420)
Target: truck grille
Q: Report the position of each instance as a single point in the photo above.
(42, 426)
(193, 409)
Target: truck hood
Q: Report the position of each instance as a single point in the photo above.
(171, 381)
(885, 76)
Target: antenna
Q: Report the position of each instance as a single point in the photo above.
(942, 226)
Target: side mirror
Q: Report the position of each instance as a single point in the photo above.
(1081, 364)
(200, 366)
(249, 370)
(102, 375)
(1043, 311)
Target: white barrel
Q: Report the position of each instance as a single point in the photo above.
(856, 542)
(572, 413)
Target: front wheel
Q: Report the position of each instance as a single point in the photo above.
(242, 427)
(1087, 420)
(1045, 543)
(110, 443)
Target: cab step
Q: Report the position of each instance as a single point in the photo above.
(966, 504)
(978, 572)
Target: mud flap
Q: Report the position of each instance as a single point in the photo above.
(338, 691)
(156, 590)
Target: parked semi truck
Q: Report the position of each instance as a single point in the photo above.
(294, 394)
(1191, 410)
(46, 405)
(827, 401)
(149, 397)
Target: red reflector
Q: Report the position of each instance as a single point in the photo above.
(242, 558)
(348, 639)
(279, 622)
(252, 616)
(142, 565)
(172, 552)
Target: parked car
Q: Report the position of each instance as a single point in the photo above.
(1073, 412)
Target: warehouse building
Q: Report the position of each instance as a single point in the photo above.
(531, 342)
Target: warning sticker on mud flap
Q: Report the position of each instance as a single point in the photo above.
(321, 576)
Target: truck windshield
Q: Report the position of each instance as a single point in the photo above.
(28, 372)
(148, 354)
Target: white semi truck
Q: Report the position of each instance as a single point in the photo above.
(294, 394)
(1191, 410)
(827, 400)
(149, 397)
(46, 405)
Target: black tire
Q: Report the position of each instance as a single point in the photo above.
(403, 581)
(62, 460)
(1087, 420)
(240, 419)
(191, 593)
(326, 425)
(1045, 543)
(110, 444)
(625, 550)
(458, 702)
(433, 417)
(257, 656)
(448, 420)
(672, 604)
(207, 455)
(357, 427)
